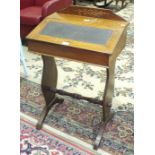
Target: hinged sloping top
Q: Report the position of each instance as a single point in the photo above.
(79, 31)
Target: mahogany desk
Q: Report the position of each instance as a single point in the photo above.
(90, 35)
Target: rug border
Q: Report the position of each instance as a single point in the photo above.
(62, 138)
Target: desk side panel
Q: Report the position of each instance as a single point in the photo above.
(87, 56)
(119, 47)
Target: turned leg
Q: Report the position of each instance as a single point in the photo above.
(49, 80)
(107, 100)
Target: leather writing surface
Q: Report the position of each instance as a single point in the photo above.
(77, 32)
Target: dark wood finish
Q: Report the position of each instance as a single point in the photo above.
(49, 78)
(101, 131)
(46, 109)
(108, 92)
(76, 96)
(104, 55)
(44, 113)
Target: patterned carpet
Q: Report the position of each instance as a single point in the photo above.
(44, 142)
(88, 79)
(75, 118)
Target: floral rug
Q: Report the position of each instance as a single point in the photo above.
(44, 142)
(74, 117)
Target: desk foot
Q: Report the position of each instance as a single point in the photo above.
(46, 110)
(101, 130)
